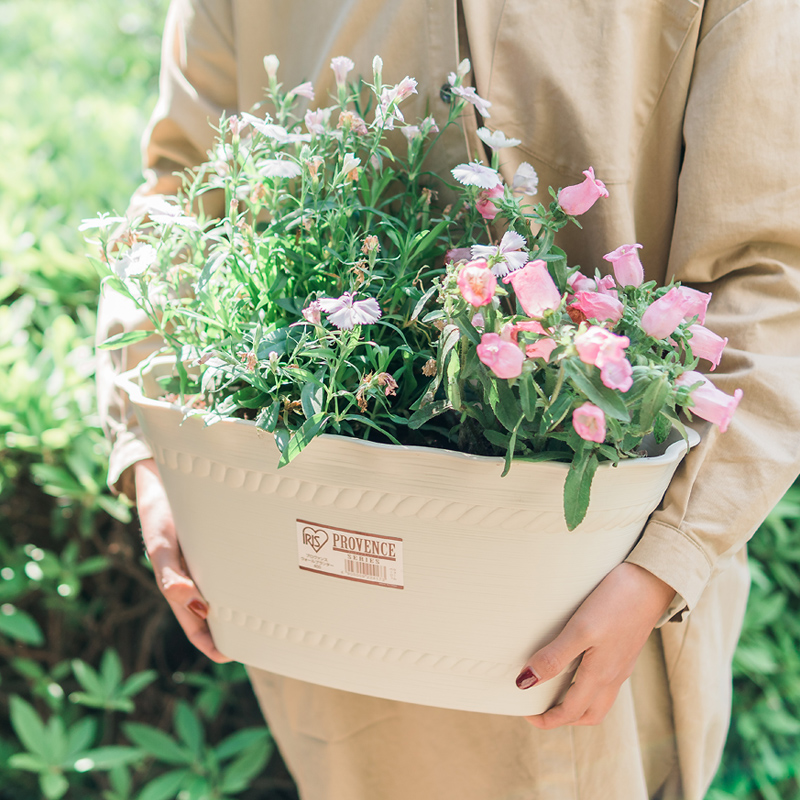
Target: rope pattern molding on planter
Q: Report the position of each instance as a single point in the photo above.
(426, 661)
(367, 501)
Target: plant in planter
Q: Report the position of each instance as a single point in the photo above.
(334, 296)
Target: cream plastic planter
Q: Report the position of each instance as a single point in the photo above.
(402, 572)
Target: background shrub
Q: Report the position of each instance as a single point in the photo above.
(102, 697)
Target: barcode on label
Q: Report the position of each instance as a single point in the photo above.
(377, 571)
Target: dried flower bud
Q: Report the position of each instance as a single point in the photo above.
(429, 368)
(371, 245)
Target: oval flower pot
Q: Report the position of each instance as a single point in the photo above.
(409, 573)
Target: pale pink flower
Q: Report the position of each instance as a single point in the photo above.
(617, 374)
(316, 121)
(471, 96)
(475, 174)
(535, 289)
(525, 179)
(411, 132)
(578, 199)
(710, 403)
(305, 89)
(662, 316)
(404, 89)
(349, 120)
(589, 422)
(314, 163)
(235, 125)
(279, 168)
(512, 256)
(597, 306)
(503, 358)
(497, 140)
(541, 348)
(344, 312)
(706, 344)
(477, 283)
(578, 282)
(598, 346)
(483, 202)
(697, 303)
(385, 117)
(341, 65)
(312, 312)
(628, 268)
(606, 285)
(478, 320)
(429, 125)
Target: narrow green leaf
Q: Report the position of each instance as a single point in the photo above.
(124, 339)
(81, 735)
(239, 740)
(188, 727)
(311, 396)
(427, 412)
(27, 761)
(53, 785)
(246, 766)
(104, 758)
(578, 486)
(137, 682)
(302, 437)
(165, 786)
(29, 728)
(110, 671)
(157, 743)
(653, 401)
(267, 418)
(88, 678)
(420, 304)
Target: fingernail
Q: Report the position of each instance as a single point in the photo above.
(527, 678)
(198, 608)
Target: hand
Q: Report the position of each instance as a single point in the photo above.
(161, 542)
(610, 630)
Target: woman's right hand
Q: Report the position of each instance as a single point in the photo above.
(161, 542)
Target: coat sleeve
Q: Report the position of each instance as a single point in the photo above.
(197, 83)
(737, 235)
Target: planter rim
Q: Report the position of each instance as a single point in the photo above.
(130, 383)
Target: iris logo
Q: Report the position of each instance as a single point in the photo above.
(315, 538)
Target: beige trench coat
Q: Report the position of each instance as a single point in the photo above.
(689, 112)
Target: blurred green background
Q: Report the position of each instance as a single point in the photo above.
(102, 697)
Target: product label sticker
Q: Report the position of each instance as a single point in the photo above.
(355, 556)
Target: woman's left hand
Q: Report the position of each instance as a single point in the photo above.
(609, 630)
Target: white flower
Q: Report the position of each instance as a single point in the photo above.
(271, 65)
(474, 174)
(279, 168)
(349, 163)
(497, 140)
(162, 212)
(276, 132)
(377, 69)
(510, 248)
(525, 179)
(463, 68)
(344, 312)
(471, 96)
(136, 261)
(101, 221)
(411, 132)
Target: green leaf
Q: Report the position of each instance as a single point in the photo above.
(124, 339)
(577, 487)
(21, 626)
(303, 436)
(53, 784)
(29, 728)
(111, 756)
(239, 740)
(653, 401)
(27, 761)
(603, 397)
(81, 735)
(165, 786)
(188, 728)
(427, 412)
(137, 682)
(527, 396)
(250, 762)
(420, 305)
(110, 672)
(267, 418)
(157, 743)
(311, 398)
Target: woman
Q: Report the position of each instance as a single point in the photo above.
(671, 102)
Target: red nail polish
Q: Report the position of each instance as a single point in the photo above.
(198, 608)
(526, 679)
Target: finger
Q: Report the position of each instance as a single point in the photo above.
(599, 708)
(575, 704)
(198, 633)
(553, 658)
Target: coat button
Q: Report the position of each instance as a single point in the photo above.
(446, 92)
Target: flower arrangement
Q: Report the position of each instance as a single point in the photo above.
(336, 295)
